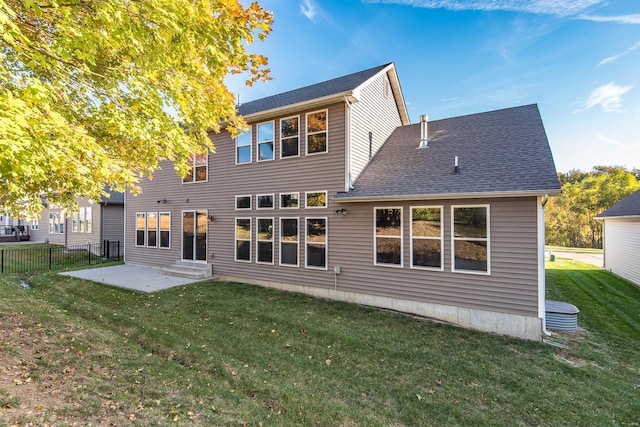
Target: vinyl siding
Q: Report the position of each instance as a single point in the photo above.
(622, 247)
(511, 288)
(315, 172)
(375, 113)
(113, 223)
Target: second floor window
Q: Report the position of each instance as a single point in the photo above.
(56, 223)
(198, 171)
(265, 141)
(289, 137)
(317, 132)
(81, 221)
(243, 147)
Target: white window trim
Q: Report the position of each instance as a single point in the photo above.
(250, 145)
(289, 137)
(306, 132)
(476, 239)
(193, 170)
(375, 237)
(160, 214)
(297, 264)
(58, 219)
(306, 206)
(236, 239)
(258, 240)
(287, 194)
(144, 243)
(272, 140)
(326, 243)
(441, 238)
(35, 225)
(250, 202)
(273, 200)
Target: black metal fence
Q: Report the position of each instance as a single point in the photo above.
(53, 258)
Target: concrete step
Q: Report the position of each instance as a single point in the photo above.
(189, 270)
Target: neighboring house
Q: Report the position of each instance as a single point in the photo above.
(93, 223)
(329, 194)
(13, 229)
(621, 242)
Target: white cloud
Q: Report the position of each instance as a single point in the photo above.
(622, 19)
(308, 9)
(544, 7)
(608, 97)
(619, 145)
(614, 57)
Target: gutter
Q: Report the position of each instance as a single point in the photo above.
(602, 218)
(316, 102)
(445, 196)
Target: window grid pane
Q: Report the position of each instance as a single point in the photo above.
(243, 239)
(470, 239)
(243, 147)
(316, 243)
(388, 236)
(317, 132)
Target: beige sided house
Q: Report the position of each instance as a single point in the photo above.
(621, 240)
(94, 223)
(334, 193)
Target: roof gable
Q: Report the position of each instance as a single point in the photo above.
(324, 91)
(629, 206)
(503, 152)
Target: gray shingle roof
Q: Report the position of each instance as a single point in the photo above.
(114, 197)
(503, 151)
(318, 90)
(629, 206)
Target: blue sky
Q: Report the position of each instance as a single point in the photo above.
(579, 60)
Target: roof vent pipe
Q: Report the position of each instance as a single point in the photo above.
(424, 119)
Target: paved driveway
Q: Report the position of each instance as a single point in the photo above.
(593, 259)
(144, 279)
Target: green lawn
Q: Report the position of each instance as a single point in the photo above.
(231, 354)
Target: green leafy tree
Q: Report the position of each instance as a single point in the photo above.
(97, 92)
(570, 217)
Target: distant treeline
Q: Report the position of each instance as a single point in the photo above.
(570, 217)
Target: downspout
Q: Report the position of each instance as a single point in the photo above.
(124, 231)
(347, 145)
(541, 270)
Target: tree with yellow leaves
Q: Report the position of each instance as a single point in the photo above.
(97, 92)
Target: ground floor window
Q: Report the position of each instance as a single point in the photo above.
(388, 236)
(426, 237)
(243, 239)
(470, 238)
(165, 229)
(35, 224)
(141, 227)
(316, 243)
(264, 233)
(289, 241)
(152, 229)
